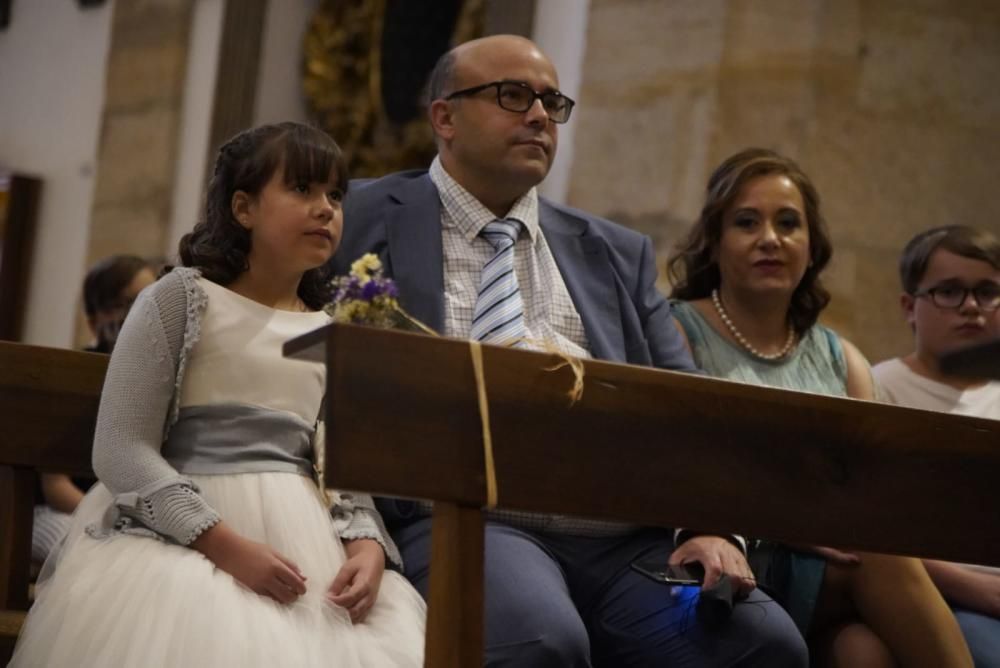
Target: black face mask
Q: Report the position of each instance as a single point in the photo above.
(107, 332)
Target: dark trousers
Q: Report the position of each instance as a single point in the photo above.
(559, 600)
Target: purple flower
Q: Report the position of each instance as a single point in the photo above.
(370, 291)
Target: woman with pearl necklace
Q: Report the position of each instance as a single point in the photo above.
(747, 295)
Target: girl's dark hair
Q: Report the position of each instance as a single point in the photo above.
(961, 240)
(693, 269)
(219, 245)
(107, 279)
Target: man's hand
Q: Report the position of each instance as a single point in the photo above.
(717, 556)
(356, 586)
(255, 565)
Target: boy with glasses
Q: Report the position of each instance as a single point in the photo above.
(951, 299)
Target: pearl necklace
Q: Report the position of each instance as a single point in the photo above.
(742, 339)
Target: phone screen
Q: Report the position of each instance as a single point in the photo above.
(657, 569)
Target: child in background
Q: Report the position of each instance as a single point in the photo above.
(109, 289)
(951, 299)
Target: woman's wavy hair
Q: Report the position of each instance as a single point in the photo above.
(693, 268)
(219, 246)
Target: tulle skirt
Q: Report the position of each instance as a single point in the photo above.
(131, 600)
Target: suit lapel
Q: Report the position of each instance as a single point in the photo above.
(414, 231)
(586, 270)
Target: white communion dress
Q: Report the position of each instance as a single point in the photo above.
(202, 419)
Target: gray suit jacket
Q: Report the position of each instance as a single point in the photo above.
(609, 270)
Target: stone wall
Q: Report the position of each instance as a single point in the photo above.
(140, 129)
(891, 107)
(140, 133)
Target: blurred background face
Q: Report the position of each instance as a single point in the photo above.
(939, 330)
(764, 245)
(107, 322)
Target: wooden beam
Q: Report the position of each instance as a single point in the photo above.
(17, 243)
(49, 399)
(657, 448)
(455, 603)
(17, 500)
(11, 622)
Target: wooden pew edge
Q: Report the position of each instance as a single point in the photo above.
(11, 622)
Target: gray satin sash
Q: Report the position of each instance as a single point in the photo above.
(237, 438)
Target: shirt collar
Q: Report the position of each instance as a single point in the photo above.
(470, 215)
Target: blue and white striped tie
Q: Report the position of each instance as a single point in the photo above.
(499, 313)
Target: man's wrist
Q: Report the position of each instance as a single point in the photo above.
(683, 535)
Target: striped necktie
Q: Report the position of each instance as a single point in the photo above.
(499, 313)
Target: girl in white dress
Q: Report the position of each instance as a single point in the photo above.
(206, 542)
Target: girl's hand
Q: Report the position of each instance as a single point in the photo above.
(356, 586)
(255, 565)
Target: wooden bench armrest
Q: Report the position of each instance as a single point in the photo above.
(11, 622)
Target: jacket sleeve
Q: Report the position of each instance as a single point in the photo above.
(150, 496)
(355, 517)
(667, 348)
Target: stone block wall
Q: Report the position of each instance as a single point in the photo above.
(891, 107)
(140, 130)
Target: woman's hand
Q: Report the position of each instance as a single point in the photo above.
(255, 565)
(970, 589)
(832, 555)
(356, 586)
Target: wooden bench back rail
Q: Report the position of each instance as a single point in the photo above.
(659, 448)
(48, 407)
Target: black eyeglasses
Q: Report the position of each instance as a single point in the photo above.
(987, 295)
(518, 97)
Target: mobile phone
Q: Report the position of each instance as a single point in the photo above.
(657, 568)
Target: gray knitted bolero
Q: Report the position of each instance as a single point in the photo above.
(139, 406)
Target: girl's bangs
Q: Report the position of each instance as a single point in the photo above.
(310, 156)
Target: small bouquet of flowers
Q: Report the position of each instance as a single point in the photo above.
(366, 297)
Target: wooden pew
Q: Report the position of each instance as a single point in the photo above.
(642, 445)
(48, 407)
(645, 446)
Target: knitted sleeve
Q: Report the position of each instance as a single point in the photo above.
(138, 403)
(355, 516)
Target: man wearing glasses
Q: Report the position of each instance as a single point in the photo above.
(477, 254)
(951, 300)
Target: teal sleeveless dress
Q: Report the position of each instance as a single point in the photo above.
(816, 365)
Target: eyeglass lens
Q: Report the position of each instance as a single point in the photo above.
(517, 97)
(987, 296)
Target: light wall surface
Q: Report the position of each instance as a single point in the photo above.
(891, 107)
(52, 73)
(196, 120)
